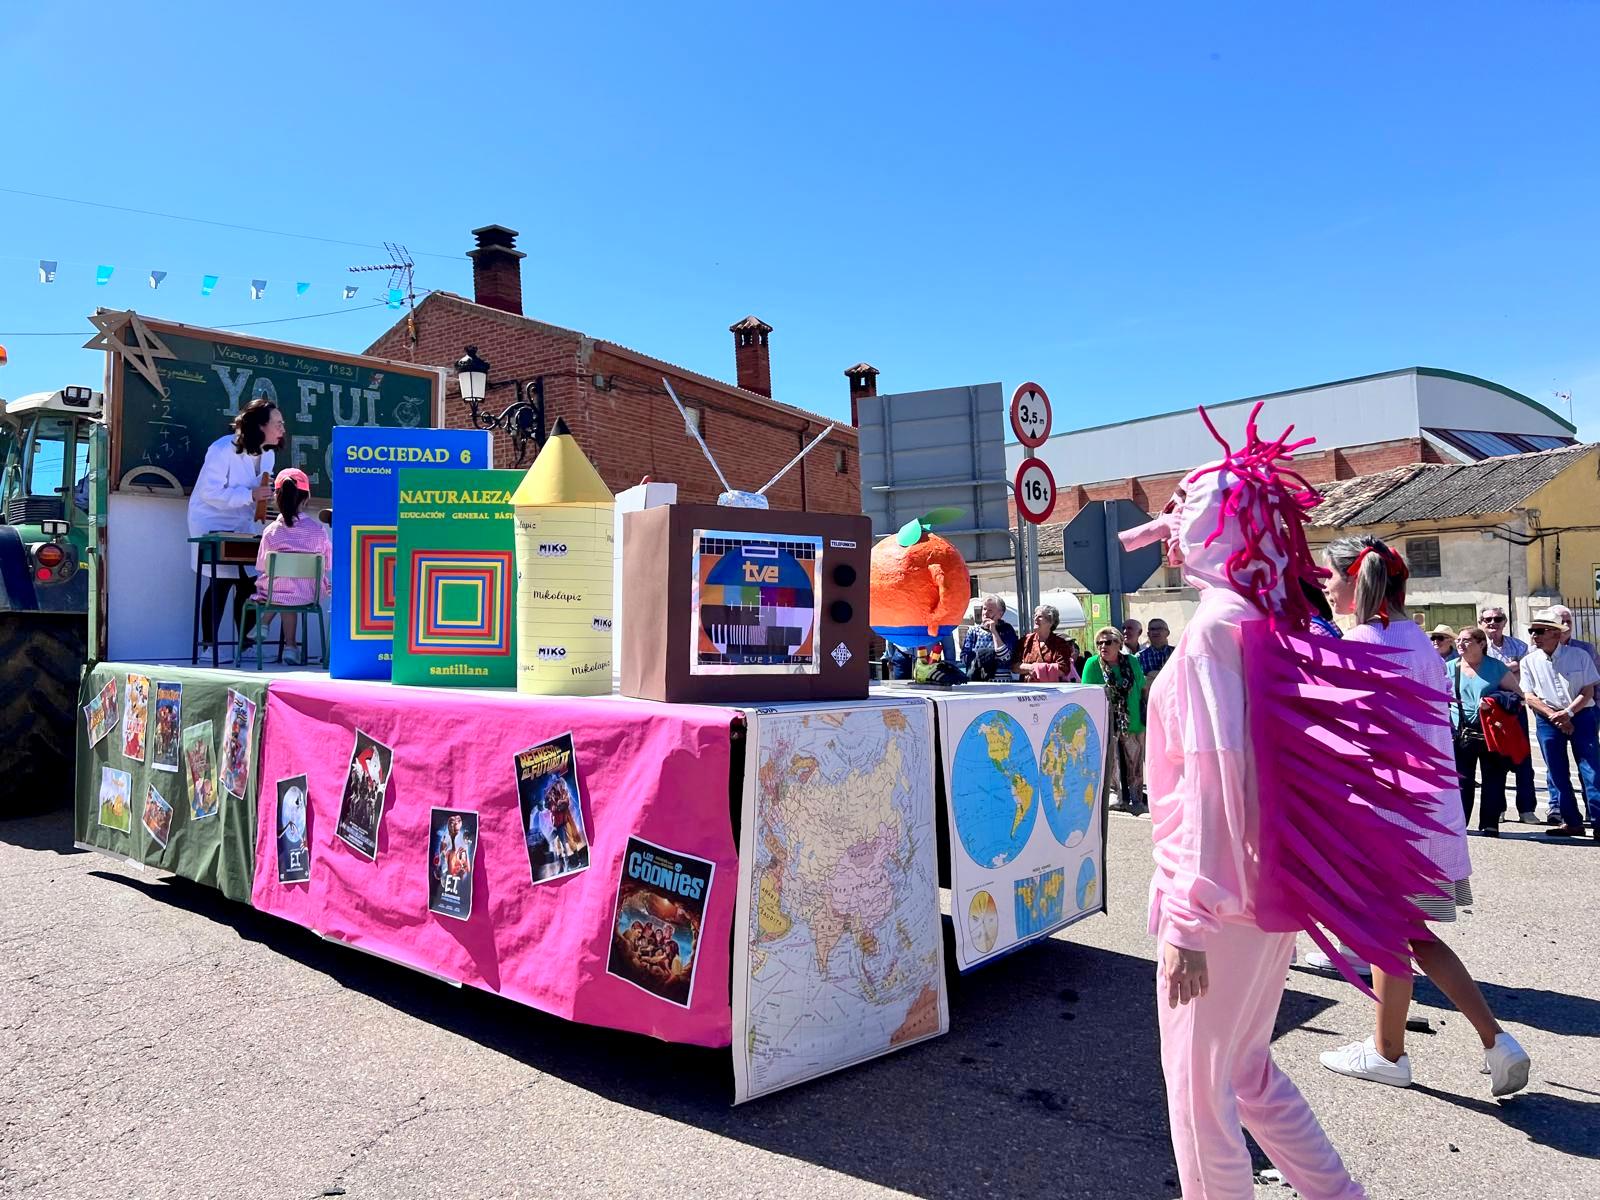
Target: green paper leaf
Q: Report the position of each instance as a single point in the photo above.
(911, 532)
(941, 516)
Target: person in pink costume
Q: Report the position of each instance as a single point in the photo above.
(1229, 887)
(1369, 581)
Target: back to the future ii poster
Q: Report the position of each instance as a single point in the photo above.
(661, 906)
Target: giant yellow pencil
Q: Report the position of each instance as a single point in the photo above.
(564, 564)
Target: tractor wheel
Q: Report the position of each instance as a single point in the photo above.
(41, 660)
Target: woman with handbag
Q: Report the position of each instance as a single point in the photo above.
(1123, 680)
(1474, 677)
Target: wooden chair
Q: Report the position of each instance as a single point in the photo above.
(284, 565)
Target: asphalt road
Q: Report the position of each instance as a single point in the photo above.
(161, 1041)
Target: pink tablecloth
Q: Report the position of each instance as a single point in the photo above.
(653, 771)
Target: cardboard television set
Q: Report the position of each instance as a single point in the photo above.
(736, 603)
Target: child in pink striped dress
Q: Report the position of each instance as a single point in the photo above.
(293, 533)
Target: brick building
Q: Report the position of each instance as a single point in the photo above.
(613, 399)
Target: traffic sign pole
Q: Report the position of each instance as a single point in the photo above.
(1113, 564)
(1033, 573)
(1034, 488)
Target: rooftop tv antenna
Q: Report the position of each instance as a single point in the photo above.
(732, 498)
(402, 277)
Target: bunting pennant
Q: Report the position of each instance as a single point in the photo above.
(394, 298)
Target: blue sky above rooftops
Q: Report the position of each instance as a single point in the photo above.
(1141, 208)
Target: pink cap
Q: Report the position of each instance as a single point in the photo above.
(296, 476)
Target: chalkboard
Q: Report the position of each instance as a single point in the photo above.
(212, 375)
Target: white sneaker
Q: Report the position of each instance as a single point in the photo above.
(1507, 1064)
(1316, 960)
(291, 658)
(1529, 818)
(1361, 1060)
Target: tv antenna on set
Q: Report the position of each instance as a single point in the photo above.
(731, 497)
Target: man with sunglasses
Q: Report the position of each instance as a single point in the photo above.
(1558, 682)
(1511, 651)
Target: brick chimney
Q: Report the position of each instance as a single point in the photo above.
(863, 382)
(497, 269)
(751, 355)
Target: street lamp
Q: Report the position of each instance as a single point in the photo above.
(523, 418)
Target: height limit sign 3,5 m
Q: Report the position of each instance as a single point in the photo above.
(1030, 415)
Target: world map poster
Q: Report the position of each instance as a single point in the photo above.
(838, 951)
(1022, 775)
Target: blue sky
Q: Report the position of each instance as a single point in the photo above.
(1142, 207)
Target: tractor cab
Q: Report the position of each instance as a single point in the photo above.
(45, 530)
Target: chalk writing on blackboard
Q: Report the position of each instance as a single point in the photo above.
(213, 375)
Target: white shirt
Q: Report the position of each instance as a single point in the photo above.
(1558, 680)
(221, 501)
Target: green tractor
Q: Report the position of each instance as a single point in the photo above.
(52, 501)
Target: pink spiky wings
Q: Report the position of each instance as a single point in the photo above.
(1333, 726)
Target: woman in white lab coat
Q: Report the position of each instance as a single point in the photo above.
(224, 501)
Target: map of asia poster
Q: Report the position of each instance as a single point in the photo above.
(838, 950)
(1022, 774)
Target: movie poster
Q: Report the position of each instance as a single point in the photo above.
(755, 603)
(157, 816)
(294, 830)
(165, 744)
(202, 771)
(116, 810)
(552, 809)
(453, 838)
(136, 712)
(661, 902)
(236, 744)
(100, 714)
(361, 806)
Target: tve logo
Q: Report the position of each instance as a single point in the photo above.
(552, 653)
(552, 549)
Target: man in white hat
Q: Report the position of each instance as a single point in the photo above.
(1559, 682)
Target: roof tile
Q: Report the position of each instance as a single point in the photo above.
(1439, 491)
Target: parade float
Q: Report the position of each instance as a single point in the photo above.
(684, 843)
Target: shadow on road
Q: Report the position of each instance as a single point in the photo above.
(48, 831)
(1553, 1012)
(1034, 1092)
(1563, 1123)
